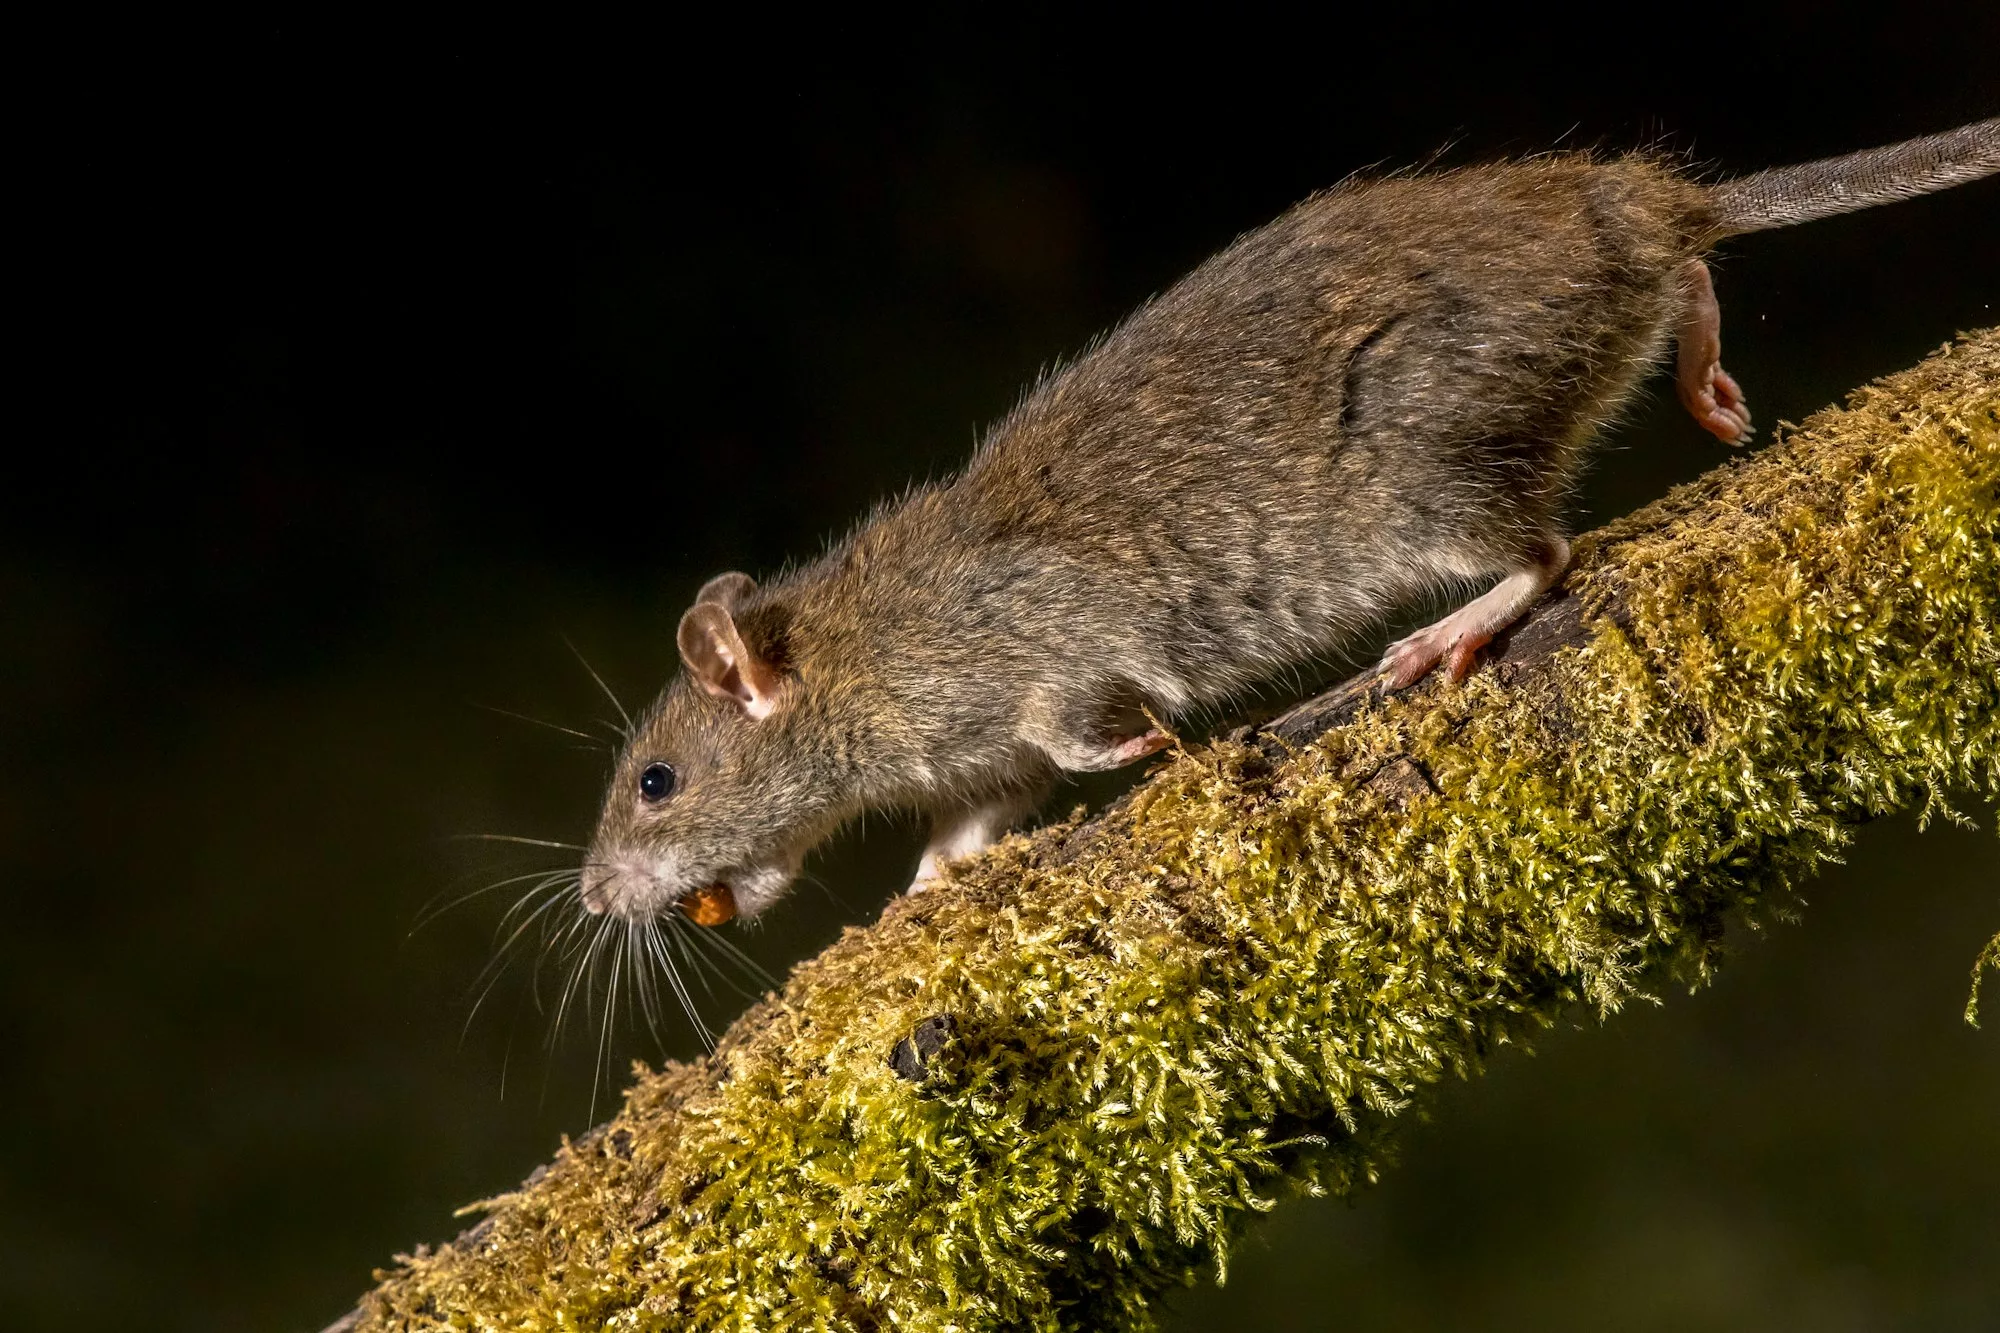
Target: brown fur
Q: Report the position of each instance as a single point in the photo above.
(1386, 390)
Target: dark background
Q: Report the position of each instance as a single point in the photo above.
(362, 366)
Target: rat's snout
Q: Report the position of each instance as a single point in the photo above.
(596, 894)
(624, 889)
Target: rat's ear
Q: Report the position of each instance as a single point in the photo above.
(726, 590)
(718, 661)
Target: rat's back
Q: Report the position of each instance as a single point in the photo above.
(1384, 390)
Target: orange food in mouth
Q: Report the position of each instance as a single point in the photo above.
(710, 906)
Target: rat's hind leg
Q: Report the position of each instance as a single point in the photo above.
(963, 830)
(1457, 639)
(1706, 389)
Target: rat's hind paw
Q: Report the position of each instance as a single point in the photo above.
(1709, 393)
(1457, 639)
(1712, 396)
(1449, 641)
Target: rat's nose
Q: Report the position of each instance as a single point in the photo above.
(620, 887)
(605, 887)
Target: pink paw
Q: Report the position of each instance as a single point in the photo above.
(1714, 399)
(1136, 748)
(1410, 660)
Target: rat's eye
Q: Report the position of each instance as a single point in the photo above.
(656, 783)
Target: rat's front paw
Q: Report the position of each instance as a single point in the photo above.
(1134, 748)
(927, 874)
(1097, 754)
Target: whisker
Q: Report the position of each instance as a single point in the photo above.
(524, 842)
(557, 887)
(597, 1074)
(729, 949)
(699, 965)
(566, 941)
(431, 911)
(595, 744)
(584, 953)
(687, 1001)
(601, 685)
(688, 943)
(642, 980)
(663, 965)
(465, 1028)
(555, 899)
(555, 939)
(596, 959)
(496, 967)
(683, 937)
(631, 952)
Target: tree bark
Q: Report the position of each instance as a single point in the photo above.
(1062, 1082)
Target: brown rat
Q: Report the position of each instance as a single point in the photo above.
(1384, 392)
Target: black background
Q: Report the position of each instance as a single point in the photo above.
(362, 366)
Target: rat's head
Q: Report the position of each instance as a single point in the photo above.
(718, 796)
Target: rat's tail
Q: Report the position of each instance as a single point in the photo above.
(1833, 185)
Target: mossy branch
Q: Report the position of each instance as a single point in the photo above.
(1043, 1094)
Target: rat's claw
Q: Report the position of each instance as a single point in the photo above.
(1730, 391)
(1716, 403)
(1731, 419)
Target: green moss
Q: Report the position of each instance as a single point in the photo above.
(1233, 988)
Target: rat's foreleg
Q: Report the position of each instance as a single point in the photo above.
(1086, 734)
(1457, 639)
(1108, 752)
(966, 829)
(1706, 389)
